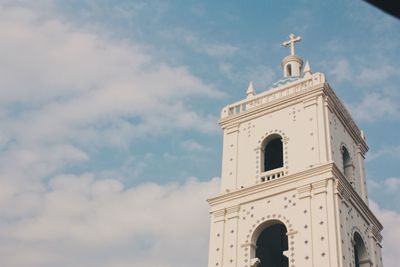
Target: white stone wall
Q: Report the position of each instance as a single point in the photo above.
(340, 136)
(304, 205)
(313, 134)
(319, 220)
(353, 220)
(301, 125)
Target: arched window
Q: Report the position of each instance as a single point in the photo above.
(273, 153)
(347, 165)
(270, 245)
(360, 253)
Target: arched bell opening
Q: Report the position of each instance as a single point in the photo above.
(270, 240)
(272, 152)
(360, 253)
(347, 164)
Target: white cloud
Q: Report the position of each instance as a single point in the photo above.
(63, 79)
(393, 183)
(220, 50)
(64, 88)
(191, 145)
(294, 16)
(261, 75)
(389, 186)
(67, 90)
(391, 233)
(362, 73)
(382, 106)
(393, 151)
(213, 49)
(81, 215)
(226, 69)
(341, 70)
(380, 73)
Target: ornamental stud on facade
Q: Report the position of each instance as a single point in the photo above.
(293, 189)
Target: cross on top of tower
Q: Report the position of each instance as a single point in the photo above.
(291, 41)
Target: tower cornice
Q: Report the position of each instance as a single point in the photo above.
(271, 97)
(322, 171)
(298, 91)
(313, 178)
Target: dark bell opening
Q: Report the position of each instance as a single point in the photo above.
(270, 246)
(273, 157)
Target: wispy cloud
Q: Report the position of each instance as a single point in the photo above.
(81, 221)
(393, 184)
(393, 151)
(211, 48)
(220, 50)
(193, 146)
(376, 74)
(68, 91)
(361, 73)
(341, 70)
(375, 106)
(69, 88)
(261, 75)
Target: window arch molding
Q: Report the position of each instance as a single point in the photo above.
(262, 226)
(360, 251)
(264, 231)
(263, 141)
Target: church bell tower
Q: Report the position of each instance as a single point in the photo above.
(293, 189)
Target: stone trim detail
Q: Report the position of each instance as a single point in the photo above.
(219, 215)
(319, 187)
(232, 212)
(304, 191)
(374, 233)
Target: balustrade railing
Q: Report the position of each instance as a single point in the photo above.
(272, 174)
(273, 95)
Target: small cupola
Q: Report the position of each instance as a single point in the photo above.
(292, 64)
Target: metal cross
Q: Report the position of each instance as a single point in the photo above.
(291, 42)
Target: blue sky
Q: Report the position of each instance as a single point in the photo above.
(109, 110)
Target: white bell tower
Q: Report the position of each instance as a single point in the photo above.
(293, 190)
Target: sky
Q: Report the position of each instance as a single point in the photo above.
(109, 109)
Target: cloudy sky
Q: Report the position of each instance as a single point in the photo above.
(108, 117)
